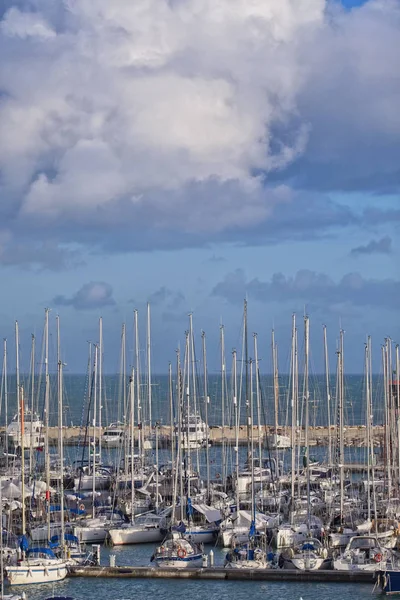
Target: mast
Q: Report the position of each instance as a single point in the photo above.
(307, 417)
(171, 414)
(206, 402)
(32, 403)
(294, 409)
(139, 406)
(132, 440)
(96, 350)
(60, 430)
(246, 361)
(46, 417)
(223, 450)
(236, 410)
(276, 384)
(368, 423)
(22, 421)
(328, 395)
(253, 502)
(258, 397)
(340, 386)
(100, 383)
(149, 363)
(17, 365)
(5, 378)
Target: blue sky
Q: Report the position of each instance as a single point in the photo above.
(189, 156)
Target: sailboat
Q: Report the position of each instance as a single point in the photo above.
(3, 595)
(178, 552)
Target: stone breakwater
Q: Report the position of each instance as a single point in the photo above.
(318, 436)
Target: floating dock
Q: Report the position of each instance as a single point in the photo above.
(221, 573)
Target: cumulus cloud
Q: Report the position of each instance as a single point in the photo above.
(382, 246)
(93, 295)
(161, 115)
(311, 288)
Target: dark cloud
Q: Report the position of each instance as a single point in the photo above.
(382, 246)
(311, 288)
(29, 253)
(166, 296)
(93, 295)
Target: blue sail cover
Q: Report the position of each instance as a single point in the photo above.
(252, 531)
(23, 543)
(180, 528)
(189, 508)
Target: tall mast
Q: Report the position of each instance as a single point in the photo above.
(138, 402)
(223, 451)
(171, 414)
(32, 403)
(100, 383)
(96, 351)
(306, 400)
(237, 416)
(149, 363)
(60, 430)
(5, 378)
(368, 424)
(253, 503)
(132, 440)
(46, 417)
(258, 397)
(340, 381)
(206, 402)
(276, 384)
(17, 365)
(246, 362)
(328, 395)
(22, 420)
(294, 409)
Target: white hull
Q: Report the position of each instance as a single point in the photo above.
(135, 534)
(91, 535)
(31, 572)
(201, 536)
(344, 565)
(191, 562)
(313, 563)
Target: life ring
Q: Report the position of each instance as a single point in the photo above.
(181, 552)
(82, 507)
(378, 557)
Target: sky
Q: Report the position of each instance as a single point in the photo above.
(191, 154)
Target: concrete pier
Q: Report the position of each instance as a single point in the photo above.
(219, 573)
(318, 436)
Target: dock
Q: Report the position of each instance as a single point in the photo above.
(318, 436)
(220, 573)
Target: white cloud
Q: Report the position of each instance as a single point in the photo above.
(136, 104)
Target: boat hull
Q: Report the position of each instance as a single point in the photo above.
(40, 573)
(135, 535)
(188, 562)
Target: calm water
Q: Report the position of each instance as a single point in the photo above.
(132, 589)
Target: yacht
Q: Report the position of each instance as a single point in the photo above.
(113, 435)
(194, 432)
(33, 433)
